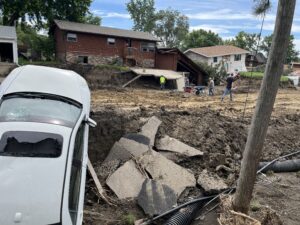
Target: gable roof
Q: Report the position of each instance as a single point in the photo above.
(219, 50)
(107, 31)
(7, 32)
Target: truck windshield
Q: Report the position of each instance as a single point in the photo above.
(39, 109)
(31, 144)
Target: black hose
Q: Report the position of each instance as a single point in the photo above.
(284, 166)
(185, 215)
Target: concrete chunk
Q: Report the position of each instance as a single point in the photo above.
(150, 129)
(166, 171)
(127, 181)
(211, 183)
(125, 149)
(173, 145)
(156, 198)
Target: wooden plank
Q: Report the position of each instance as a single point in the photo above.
(97, 182)
(129, 82)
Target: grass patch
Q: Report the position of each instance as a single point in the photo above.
(128, 219)
(259, 76)
(24, 62)
(255, 205)
(113, 67)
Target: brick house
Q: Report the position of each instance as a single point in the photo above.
(92, 44)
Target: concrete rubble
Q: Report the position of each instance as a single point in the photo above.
(211, 183)
(127, 181)
(156, 198)
(173, 145)
(150, 129)
(166, 171)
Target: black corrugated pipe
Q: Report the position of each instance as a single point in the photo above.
(185, 215)
(284, 166)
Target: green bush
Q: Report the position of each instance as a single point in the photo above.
(259, 76)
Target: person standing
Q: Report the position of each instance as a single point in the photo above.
(211, 87)
(229, 81)
(162, 81)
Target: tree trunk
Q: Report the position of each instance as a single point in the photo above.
(264, 105)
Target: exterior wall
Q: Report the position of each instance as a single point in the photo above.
(197, 58)
(15, 48)
(99, 51)
(166, 61)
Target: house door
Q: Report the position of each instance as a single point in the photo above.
(6, 52)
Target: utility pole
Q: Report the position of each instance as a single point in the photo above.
(264, 105)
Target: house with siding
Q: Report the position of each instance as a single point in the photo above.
(92, 44)
(8, 45)
(233, 58)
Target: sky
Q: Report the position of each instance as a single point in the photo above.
(225, 17)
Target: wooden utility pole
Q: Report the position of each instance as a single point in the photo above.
(264, 105)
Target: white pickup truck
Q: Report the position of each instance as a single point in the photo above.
(44, 123)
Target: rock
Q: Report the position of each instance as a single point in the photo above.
(138, 138)
(156, 198)
(127, 181)
(173, 145)
(166, 171)
(150, 129)
(125, 149)
(211, 183)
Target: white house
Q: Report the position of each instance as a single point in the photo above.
(232, 57)
(8, 45)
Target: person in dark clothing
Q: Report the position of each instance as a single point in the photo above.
(228, 89)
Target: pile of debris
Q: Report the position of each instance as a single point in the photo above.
(144, 170)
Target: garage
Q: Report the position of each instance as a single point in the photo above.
(8, 45)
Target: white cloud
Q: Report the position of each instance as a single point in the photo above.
(111, 14)
(220, 29)
(270, 27)
(297, 43)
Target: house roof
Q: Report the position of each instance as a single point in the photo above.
(7, 32)
(259, 57)
(108, 31)
(218, 50)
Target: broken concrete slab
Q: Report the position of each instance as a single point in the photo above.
(140, 138)
(125, 149)
(156, 198)
(173, 145)
(127, 181)
(166, 171)
(150, 129)
(211, 183)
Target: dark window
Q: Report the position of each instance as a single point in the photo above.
(76, 171)
(83, 59)
(25, 107)
(72, 37)
(215, 59)
(111, 41)
(128, 42)
(147, 47)
(31, 144)
(237, 57)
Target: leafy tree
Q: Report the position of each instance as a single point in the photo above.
(292, 53)
(171, 27)
(38, 11)
(142, 13)
(216, 72)
(92, 19)
(201, 38)
(244, 40)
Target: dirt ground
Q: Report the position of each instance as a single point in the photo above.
(218, 129)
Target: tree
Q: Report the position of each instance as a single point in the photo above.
(244, 40)
(37, 11)
(201, 38)
(142, 13)
(292, 53)
(171, 27)
(92, 19)
(264, 105)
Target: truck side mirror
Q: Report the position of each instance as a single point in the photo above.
(91, 123)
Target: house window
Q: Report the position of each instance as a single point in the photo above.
(147, 47)
(237, 57)
(215, 59)
(111, 41)
(83, 59)
(71, 37)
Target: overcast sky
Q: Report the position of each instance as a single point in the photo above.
(225, 17)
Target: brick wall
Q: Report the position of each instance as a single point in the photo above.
(98, 50)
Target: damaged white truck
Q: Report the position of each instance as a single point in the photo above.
(44, 121)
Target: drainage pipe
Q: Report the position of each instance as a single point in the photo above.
(284, 166)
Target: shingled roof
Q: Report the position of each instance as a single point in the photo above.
(219, 50)
(107, 31)
(7, 32)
